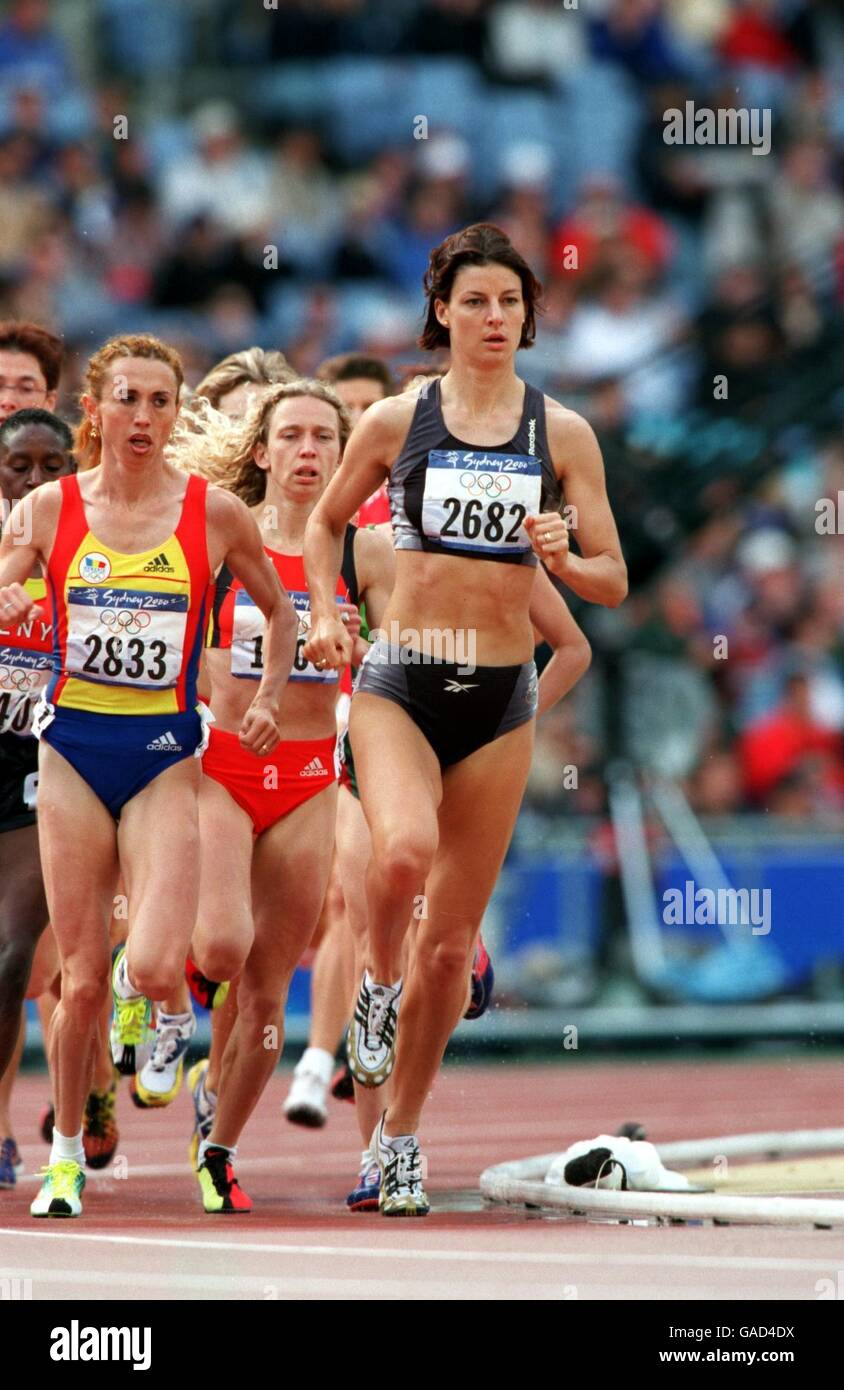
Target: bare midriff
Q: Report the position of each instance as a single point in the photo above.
(307, 707)
(441, 593)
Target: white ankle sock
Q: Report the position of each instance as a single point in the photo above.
(212, 1144)
(122, 984)
(370, 982)
(317, 1060)
(65, 1148)
(181, 1019)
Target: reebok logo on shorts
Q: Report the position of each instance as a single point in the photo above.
(165, 744)
(159, 565)
(453, 686)
(315, 768)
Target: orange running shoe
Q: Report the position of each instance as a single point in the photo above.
(100, 1135)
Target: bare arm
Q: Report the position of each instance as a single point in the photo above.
(245, 556)
(571, 653)
(374, 444)
(599, 573)
(26, 541)
(375, 562)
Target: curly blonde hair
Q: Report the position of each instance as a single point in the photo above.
(252, 367)
(87, 446)
(222, 449)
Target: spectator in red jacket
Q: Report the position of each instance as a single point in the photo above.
(780, 743)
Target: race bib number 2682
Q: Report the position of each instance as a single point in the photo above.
(476, 500)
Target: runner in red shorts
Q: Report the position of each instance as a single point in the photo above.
(267, 832)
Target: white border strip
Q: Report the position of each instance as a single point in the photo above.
(522, 1181)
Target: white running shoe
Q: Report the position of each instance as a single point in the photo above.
(371, 1041)
(204, 1108)
(400, 1164)
(306, 1099)
(160, 1079)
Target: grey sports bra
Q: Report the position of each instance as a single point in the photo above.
(454, 498)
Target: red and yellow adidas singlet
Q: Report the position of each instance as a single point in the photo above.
(26, 661)
(128, 628)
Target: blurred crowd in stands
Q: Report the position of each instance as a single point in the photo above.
(229, 173)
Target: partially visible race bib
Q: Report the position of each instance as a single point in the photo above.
(475, 500)
(126, 637)
(248, 640)
(23, 675)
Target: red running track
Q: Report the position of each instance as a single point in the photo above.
(145, 1234)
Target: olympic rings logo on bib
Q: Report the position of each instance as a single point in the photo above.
(94, 567)
(15, 679)
(124, 621)
(485, 484)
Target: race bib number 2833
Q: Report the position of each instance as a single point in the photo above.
(126, 636)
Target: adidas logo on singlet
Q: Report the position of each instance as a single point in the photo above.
(165, 744)
(159, 565)
(315, 768)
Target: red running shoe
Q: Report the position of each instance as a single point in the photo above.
(100, 1135)
(209, 993)
(483, 982)
(221, 1191)
(343, 1083)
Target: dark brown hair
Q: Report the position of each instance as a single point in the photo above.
(481, 244)
(47, 349)
(354, 366)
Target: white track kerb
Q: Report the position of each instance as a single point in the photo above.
(522, 1181)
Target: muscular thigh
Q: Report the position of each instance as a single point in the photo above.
(290, 868)
(354, 847)
(481, 800)
(23, 907)
(158, 841)
(225, 856)
(397, 771)
(78, 842)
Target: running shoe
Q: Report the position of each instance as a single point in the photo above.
(46, 1121)
(9, 1160)
(204, 1108)
(371, 1042)
(61, 1190)
(221, 1191)
(483, 982)
(130, 1023)
(364, 1197)
(400, 1165)
(343, 1083)
(100, 1135)
(160, 1080)
(305, 1103)
(209, 993)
